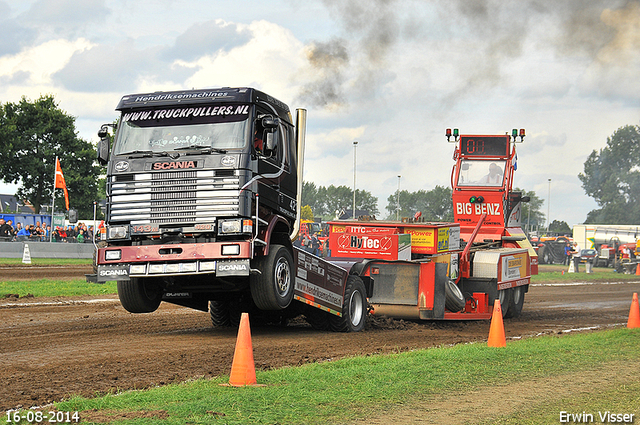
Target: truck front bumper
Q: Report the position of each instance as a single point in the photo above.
(220, 258)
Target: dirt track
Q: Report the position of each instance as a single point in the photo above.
(52, 348)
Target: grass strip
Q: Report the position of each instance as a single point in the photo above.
(365, 387)
(620, 399)
(599, 274)
(45, 261)
(55, 288)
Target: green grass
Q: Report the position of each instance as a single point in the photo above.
(599, 274)
(55, 288)
(369, 387)
(46, 261)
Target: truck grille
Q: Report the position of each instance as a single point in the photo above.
(179, 197)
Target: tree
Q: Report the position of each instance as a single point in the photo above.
(559, 227)
(306, 213)
(612, 177)
(435, 204)
(325, 201)
(32, 134)
(531, 211)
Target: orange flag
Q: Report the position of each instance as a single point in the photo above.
(60, 183)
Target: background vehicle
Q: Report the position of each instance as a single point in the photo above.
(607, 240)
(447, 271)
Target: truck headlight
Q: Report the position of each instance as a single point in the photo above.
(118, 232)
(113, 254)
(230, 226)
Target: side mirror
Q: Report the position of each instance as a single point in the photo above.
(103, 144)
(270, 122)
(525, 199)
(103, 151)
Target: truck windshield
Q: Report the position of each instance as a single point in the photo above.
(481, 173)
(155, 131)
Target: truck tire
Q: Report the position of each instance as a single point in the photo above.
(516, 302)
(139, 295)
(454, 299)
(318, 319)
(354, 308)
(505, 296)
(272, 289)
(224, 314)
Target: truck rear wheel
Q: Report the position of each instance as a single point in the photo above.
(224, 313)
(453, 298)
(318, 319)
(272, 289)
(517, 301)
(354, 308)
(139, 295)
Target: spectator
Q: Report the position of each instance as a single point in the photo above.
(63, 234)
(12, 231)
(5, 231)
(23, 234)
(37, 232)
(71, 234)
(298, 241)
(89, 234)
(315, 245)
(80, 236)
(567, 254)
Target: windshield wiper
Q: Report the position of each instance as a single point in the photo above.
(172, 155)
(201, 149)
(138, 152)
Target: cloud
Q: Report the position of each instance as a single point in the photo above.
(65, 17)
(40, 62)
(13, 35)
(206, 38)
(270, 61)
(119, 67)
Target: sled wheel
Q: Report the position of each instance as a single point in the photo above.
(505, 296)
(517, 301)
(454, 299)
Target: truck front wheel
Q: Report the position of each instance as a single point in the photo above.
(139, 295)
(272, 289)
(354, 308)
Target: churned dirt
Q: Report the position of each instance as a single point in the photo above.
(56, 347)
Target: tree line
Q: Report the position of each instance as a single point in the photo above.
(33, 133)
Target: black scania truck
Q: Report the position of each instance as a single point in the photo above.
(202, 201)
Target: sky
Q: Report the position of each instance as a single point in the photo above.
(392, 75)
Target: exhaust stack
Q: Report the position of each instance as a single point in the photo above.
(301, 129)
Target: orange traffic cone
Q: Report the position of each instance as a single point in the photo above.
(496, 331)
(243, 369)
(638, 270)
(634, 313)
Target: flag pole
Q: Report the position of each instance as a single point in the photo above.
(53, 197)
